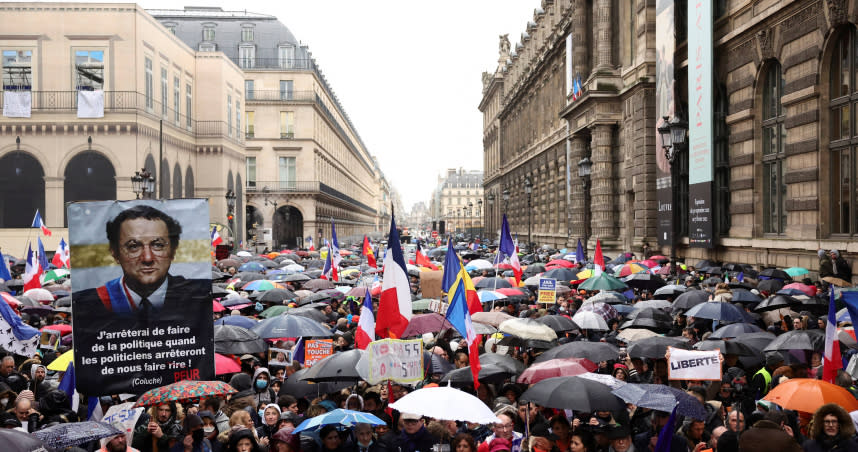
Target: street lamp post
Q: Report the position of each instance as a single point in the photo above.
(458, 218)
(480, 216)
(674, 133)
(143, 183)
(230, 215)
(505, 199)
(585, 168)
(491, 216)
(528, 190)
(470, 219)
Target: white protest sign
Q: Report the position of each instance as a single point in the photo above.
(124, 417)
(693, 365)
(396, 360)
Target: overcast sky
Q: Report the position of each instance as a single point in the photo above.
(408, 73)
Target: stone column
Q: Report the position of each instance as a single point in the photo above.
(604, 202)
(603, 33)
(579, 39)
(576, 188)
(55, 211)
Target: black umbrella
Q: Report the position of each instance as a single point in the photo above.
(770, 285)
(290, 326)
(492, 283)
(558, 323)
(299, 388)
(533, 270)
(690, 299)
(27, 301)
(315, 273)
(745, 296)
(342, 366)
(646, 281)
(246, 277)
(758, 341)
(436, 364)
(65, 435)
(777, 302)
(594, 351)
(655, 347)
(705, 263)
(314, 263)
(575, 393)
(719, 310)
(560, 274)
(650, 318)
(218, 291)
(276, 295)
(728, 347)
(739, 285)
(798, 340)
(18, 441)
(662, 398)
(310, 312)
(775, 273)
(297, 277)
(490, 373)
(235, 340)
(503, 361)
(734, 330)
(315, 298)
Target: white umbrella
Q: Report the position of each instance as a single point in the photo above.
(528, 329)
(39, 295)
(606, 380)
(635, 334)
(446, 403)
(294, 267)
(589, 320)
(479, 264)
(243, 254)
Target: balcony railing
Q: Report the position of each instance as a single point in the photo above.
(278, 186)
(273, 95)
(134, 102)
(280, 64)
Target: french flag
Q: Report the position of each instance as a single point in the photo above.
(334, 252)
(598, 260)
(832, 362)
(216, 240)
(38, 223)
(61, 256)
(421, 259)
(508, 247)
(366, 325)
(298, 351)
(310, 241)
(43, 258)
(394, 307)
(32, 271)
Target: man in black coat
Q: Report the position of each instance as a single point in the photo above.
(414, 437)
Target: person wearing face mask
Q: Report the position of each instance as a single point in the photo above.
(194, 439)
(365, 440)
(270, 415)
(210, 430)
(261, 387)
(7, 397)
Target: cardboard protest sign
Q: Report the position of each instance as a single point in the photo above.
(141, 283)
(547, 290)
(430, 283)
(396, 360)
(693, 365)
(124, 417)
(316, 350)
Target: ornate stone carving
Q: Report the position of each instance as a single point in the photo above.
(764, 40)
(838, 11)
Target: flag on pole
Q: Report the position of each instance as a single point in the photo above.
(394, 307)
(579, 254)
(421, 260)
(367, 252)
(43, 259)
(334, 250)
(298, 351)
(598, 260)
(216, 240)
(832, 362)
(310, 241)
(38, 223)
(32, 272)
(69, 386)
(61, 256)
(508, 247)
(5, 274)
(665, 437)
(365, 332)
(16, 336)
(327, 270)
(462, 301)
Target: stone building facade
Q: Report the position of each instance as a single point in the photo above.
(458, 201)
(784, 163)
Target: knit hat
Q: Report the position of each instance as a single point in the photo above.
(500, 444)
(26, 394)
(835, 253)
(820, 253)
(773, 359)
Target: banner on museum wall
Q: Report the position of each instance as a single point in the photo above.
(665, 43)
(700, 103)
(141, 282)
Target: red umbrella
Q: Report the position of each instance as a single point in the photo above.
(808, 290)
(560, 263)
(225, 365)
(649, 263)
(512, 291)
(217, 307)
(426, 323)
(63, 329)
(560, 367)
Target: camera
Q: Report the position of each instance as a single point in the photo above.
(441, 448)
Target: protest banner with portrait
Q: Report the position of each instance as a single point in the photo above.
(141, 294)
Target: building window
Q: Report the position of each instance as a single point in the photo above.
(164, 93)
(238, 118)
(89, 70)
(843, 131)
(188, 103)
(721, 136)
(177, 96)
(246, 34)
(247, 56)
(285, 89)
(248, 123)
(208, 33)
(774, 135)
(287, 124)
(17, 70)
(248, 89)
(229, 115)
(286, 56)
(149, 84)
(208, 47)
(250, 165)
(286, 166)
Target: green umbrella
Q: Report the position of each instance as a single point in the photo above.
(273, 311)
(420, 305)
(796, 271)
(603, 282)
(55, 275)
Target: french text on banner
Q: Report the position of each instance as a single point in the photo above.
(693, 365)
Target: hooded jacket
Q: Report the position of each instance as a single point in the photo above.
(243, 398)
(171, 429)
(263, 396)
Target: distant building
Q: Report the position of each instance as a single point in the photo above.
(458, 202)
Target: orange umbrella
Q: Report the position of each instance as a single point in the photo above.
(808, 394)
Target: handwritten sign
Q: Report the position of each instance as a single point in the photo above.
(547, 290)
(396, 360)
(694, 365)
(438, 306)
(316, 350)
(123, 416)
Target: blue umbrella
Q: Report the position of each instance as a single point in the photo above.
(236, 320)
(234, 302)
(718, 310)
(65, 435)
(251, 267)
(290, 326)
(745, 296)
(790, 292)
(623, 308)
(345, 418)
(661, 398)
